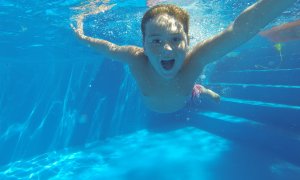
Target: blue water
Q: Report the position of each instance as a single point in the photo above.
(66, 112)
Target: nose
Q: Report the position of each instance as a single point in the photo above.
(167, 47)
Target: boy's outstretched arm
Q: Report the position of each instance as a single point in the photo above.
(126, 54)
(245, 26)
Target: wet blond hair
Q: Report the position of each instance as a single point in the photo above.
(178, 13)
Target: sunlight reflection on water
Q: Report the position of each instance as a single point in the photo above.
(137, 155)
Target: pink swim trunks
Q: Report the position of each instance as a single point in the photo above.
(197, 91)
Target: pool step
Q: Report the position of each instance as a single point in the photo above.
(275, 76)
(285, 117)
(266, 96)
(281, 94)
(250, 134)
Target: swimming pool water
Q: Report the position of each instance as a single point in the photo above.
(67, 112)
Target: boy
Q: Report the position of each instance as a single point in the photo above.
(165, 70)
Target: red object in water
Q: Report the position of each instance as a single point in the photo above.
(283, 33)
(151, 3)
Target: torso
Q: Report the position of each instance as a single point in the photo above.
(161, 95)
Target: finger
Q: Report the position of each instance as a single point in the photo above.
(73, 27)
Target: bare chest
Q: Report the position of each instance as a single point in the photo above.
(161, 95)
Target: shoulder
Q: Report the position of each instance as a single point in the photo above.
(135, 56)
(135, 51)
(129, 54)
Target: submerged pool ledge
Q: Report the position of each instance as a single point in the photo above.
(260, 103)
(268, 70)
(252, 135)
(255, 85)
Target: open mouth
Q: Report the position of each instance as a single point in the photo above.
(167, 64)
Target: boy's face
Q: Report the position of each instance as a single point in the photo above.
(165, 44)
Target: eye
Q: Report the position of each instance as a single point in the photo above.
(156, 41)
(176, 39)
